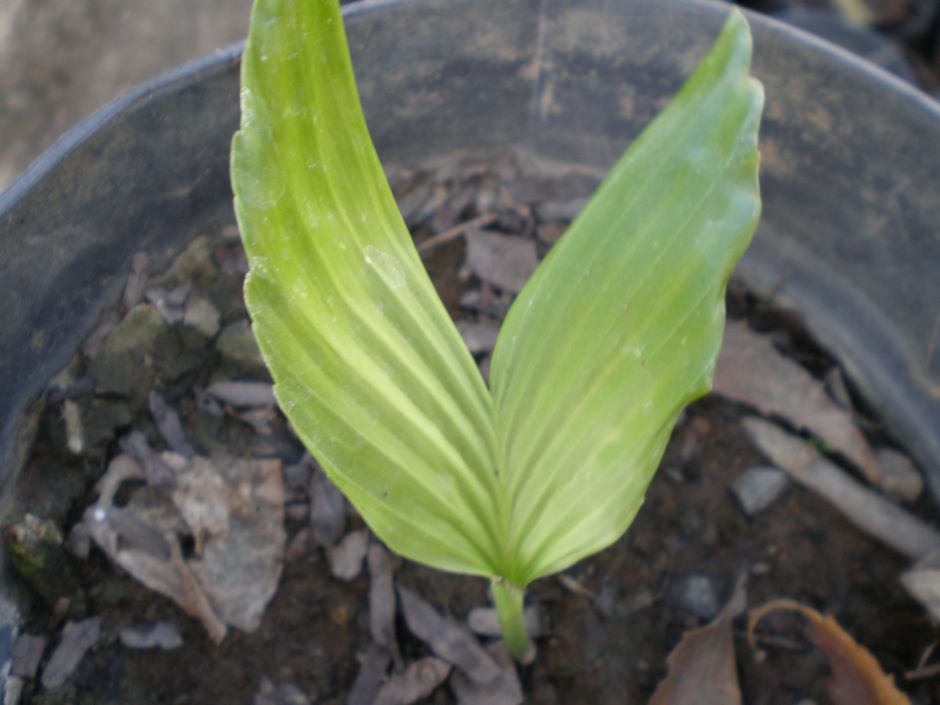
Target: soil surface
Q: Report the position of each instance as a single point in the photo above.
(612, 619)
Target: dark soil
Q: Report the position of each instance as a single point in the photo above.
(608, 642)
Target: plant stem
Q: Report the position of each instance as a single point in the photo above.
(509, 600)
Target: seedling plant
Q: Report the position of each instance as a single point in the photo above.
(616, 331)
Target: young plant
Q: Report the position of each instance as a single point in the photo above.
(617, 330)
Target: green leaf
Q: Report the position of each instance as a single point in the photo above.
(616, 331)
(621, 324)
(367, 364)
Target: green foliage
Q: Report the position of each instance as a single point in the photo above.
(616, 331)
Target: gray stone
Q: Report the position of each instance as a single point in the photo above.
(756, 488)
(696, 594)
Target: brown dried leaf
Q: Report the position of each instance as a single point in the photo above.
(702, 668)
(857, 677)
(751, 371)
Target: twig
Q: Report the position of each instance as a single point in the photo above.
(455, 232)
(923, 672)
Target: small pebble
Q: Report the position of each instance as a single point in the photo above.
(696, 594)
(757, 488)
(287, 694)
(159, 635)
(170, 304)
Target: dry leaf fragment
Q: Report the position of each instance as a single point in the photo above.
(347, 556)
(447, 638)
(372, 670)
(77, 639)
(702, 668)
(868, 511)
(857, 678)
(232, 508)
(504, 689)
(419, 681)
(381, 598)
(27, 653)
(327, 510)
(751, 371)
(502, 260)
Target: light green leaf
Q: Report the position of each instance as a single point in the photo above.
(620, 326)
(616, 331)
(367, 364)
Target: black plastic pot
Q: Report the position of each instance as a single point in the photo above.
(849, 241)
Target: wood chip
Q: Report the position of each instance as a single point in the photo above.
(447, 638)
(347, 556)
(870, 512)
(136, 280)
(287, 694)
(502, 260)
(168, 422)
(371, 676)
(702, 668)
(751, 371)
(381, 598)
(243, 394)
(418, 681)
(327, 511)
(503, 689)
(485, 622)
(77, 639)
(27, 653)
